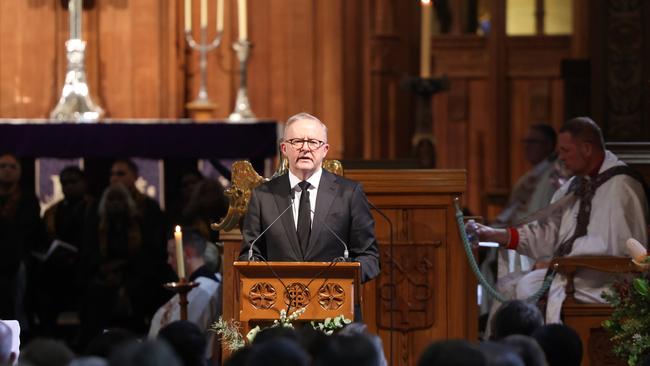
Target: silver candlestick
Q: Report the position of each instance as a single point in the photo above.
(242, 104)
(75, 103)
(204, 47)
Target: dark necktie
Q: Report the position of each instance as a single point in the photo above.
(304, 215)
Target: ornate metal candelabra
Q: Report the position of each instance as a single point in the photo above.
(75, 103)
(202, 107)
(242, 104)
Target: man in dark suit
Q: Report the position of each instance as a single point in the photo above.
(320, 215)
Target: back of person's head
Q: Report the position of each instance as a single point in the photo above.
(149, 353)
(88, 361)
(278, 352)
(312, 340)
(561, 344)
(454, 352)
(527, 348)
(584, 129)
(6, 339)
(238, 357)
(357, 328)
(500, 355)
(194, 242)
(349, 350)
(106, 342)
(272, 333)
(516, 317)
(46, 352)
(187, 340)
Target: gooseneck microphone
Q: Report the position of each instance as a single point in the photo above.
(250, 248)
(346, 253)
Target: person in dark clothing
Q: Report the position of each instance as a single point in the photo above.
(21, 232)
(57, 286)
(123, 286)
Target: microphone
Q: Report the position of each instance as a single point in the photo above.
(250, 248)
(346, 253)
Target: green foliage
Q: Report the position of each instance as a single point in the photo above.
(230, 331)
(629, 326)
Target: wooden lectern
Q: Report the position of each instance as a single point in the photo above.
(324, 289)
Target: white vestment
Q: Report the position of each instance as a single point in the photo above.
(203, 309)
(618, 212)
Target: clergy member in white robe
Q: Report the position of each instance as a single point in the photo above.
(204, 301)
(618, 211)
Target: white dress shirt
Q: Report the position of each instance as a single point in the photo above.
(314, 180)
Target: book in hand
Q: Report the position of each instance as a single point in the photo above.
(59, 249)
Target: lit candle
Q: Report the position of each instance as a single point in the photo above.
(180, 263)
(425, 40)
(188, 15)
(204, 13)
(219, 15)
(241, 17)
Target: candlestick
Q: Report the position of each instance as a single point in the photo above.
(188, 15)
(242, 22)
(425, 40)
(75, 10)
(180, 263)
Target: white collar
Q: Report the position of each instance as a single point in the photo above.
(314, 180)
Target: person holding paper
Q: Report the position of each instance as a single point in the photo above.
(321, 216)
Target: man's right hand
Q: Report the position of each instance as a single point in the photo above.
(487, 233)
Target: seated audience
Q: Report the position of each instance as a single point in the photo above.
(454, 352)
(594, 213)
(349, 350)
(239, 357)
(516, 317)
(103, 344)
(561, 344)
(204, 300)
(527, 348)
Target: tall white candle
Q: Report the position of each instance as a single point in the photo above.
(204, 13)
(188, 15)
(180, 262)
(219, 15)
(425, 40)
(241, 18)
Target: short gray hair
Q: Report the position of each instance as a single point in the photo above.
(300, 116)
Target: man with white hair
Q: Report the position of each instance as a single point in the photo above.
(330, 214)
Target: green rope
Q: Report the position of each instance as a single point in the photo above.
(479, 275)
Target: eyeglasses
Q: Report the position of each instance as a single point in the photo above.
(312, 144)
(8, 166)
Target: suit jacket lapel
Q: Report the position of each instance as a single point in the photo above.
(282, 195)
(326, 193)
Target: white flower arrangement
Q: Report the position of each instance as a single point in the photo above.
(230, 334)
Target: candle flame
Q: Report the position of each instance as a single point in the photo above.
(178, 229)
(426, 2)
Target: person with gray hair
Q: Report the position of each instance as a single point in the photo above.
(330, 216)
(594, 213)
(7, 356)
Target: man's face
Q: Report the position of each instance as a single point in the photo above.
(120, 173)
(574, 154)
(9, 170)
(304, 159)
(537, 147)
(73, 186)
